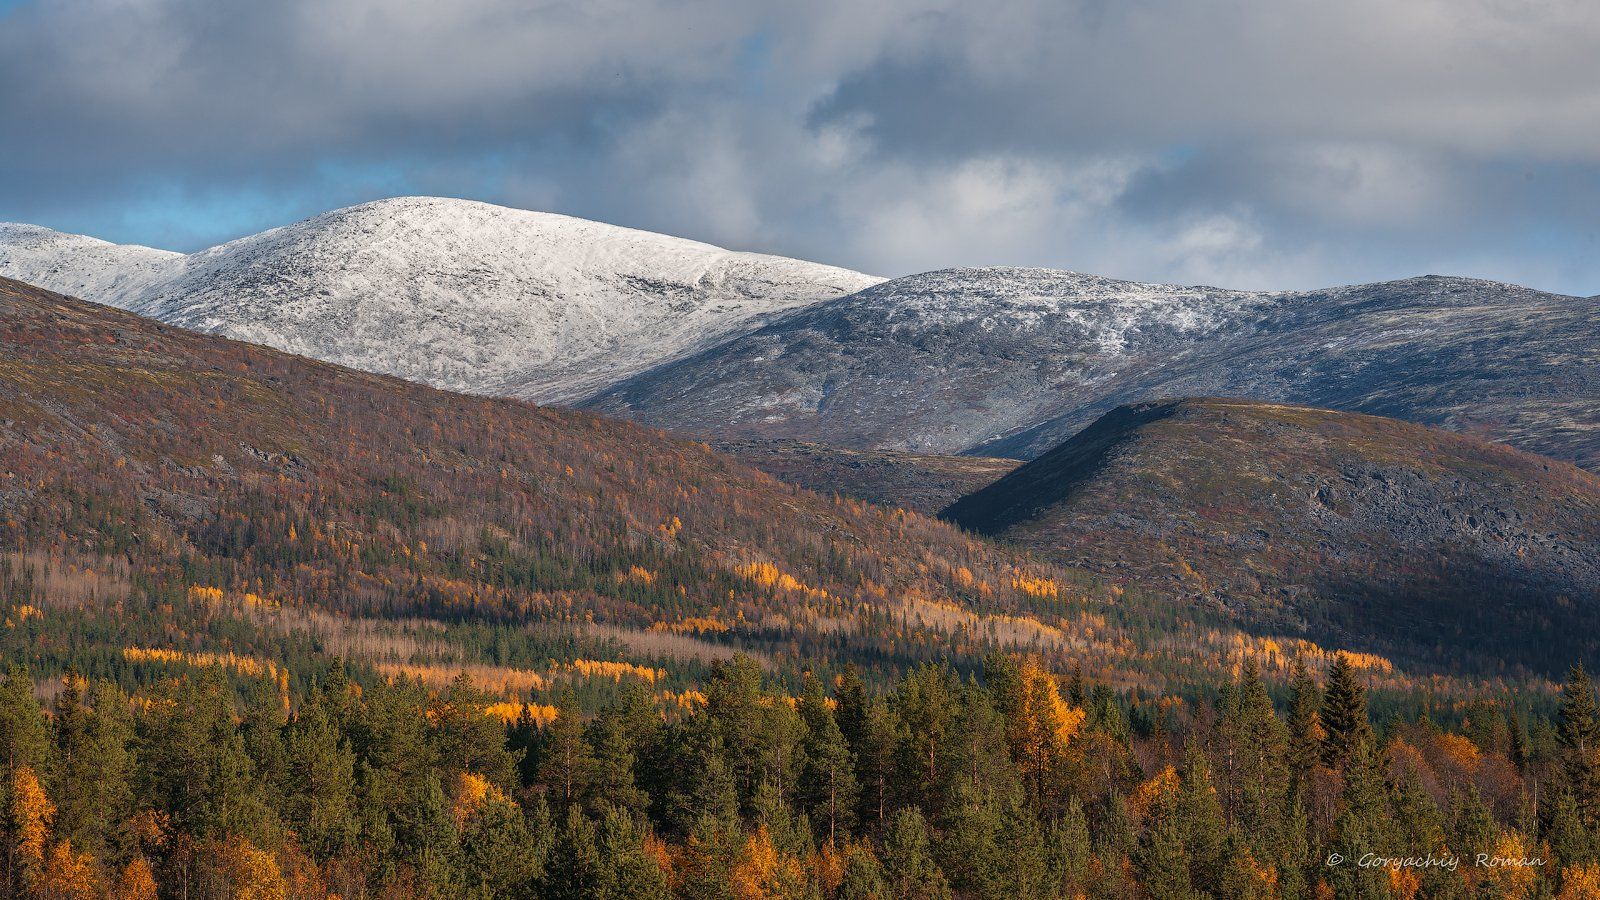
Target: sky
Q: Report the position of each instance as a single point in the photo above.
(1271, 144)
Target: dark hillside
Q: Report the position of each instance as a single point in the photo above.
(1369, 532)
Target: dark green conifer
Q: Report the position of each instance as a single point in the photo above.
(1344, 712)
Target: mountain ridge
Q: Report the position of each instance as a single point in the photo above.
(1010, 362)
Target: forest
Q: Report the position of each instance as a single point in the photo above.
(1011, 783)
(275, 629)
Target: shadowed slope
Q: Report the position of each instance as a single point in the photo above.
(1391, 535)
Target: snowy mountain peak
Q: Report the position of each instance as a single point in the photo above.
(456, 293)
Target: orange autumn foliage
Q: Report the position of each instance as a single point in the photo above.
(135, 881)
(67, 875)
(31, 813)
(1580, 882)
(763, 871)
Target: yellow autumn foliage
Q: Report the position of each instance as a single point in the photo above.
(770, 576)
(1037, 587)
(1508, 874)
(691, 625)
(616, 671)
(249, 666)
(1153, 791)
(508, 711)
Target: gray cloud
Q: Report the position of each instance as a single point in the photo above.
(1257, 143)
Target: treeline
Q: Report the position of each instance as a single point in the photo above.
(1014, 784)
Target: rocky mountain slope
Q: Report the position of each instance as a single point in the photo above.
(454, 293)
(1009, 362)
(1370, 531)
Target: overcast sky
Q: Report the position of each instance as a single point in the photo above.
(1244, 143)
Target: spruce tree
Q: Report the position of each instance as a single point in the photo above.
(1202, 826)
(1578, 731)
(1366, 825)
(1344, 712)
(1305, 742)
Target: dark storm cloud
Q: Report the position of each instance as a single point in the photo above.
(1246, 142)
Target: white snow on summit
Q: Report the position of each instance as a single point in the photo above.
(455, 293)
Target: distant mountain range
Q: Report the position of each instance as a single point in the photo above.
(995, 362)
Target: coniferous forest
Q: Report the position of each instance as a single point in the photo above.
(1011, 783)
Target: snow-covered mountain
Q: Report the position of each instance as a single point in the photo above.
(113, 274)
(1010, 362)
(455, 293)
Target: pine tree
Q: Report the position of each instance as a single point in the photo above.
(623, 736)
(498, 854)
(925, 704)
(734, 704)
(828, 785)
(851, 708)
(863, 875)
(628, 870)
(1070, 851)
(908, 859)
(92, 737)
(703, 783)
(470, 740)
(1162, 865)
(1344, 713)
(566, 761)
(192, 762)
(320, 782)
(24, 737)
(875, 758)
